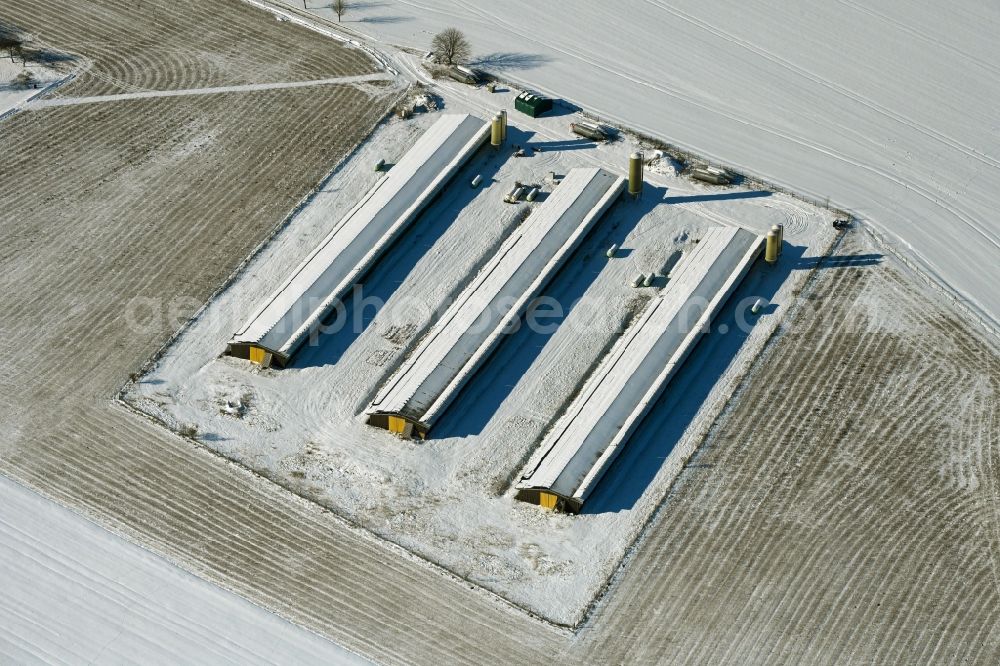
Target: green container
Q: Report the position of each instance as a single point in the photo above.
(532, 104)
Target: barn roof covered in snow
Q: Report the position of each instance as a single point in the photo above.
(472, 326)
(614, 399)
(329, 272)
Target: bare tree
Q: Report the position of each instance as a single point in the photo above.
(451, 46)
(10, 43)
(16, 52)
(339, 7)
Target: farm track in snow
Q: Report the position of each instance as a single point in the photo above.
(856, 521)
(248, 87)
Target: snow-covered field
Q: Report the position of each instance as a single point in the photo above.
(75, 593)
(447, 499)
(887, 109)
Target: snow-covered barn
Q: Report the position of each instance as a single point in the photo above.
(587, 438)
(465, 335)
(287, 317)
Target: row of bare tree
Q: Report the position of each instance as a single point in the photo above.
(449, 46)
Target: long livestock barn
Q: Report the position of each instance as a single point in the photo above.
(286, 318)
(470, 329)
(586, 439)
